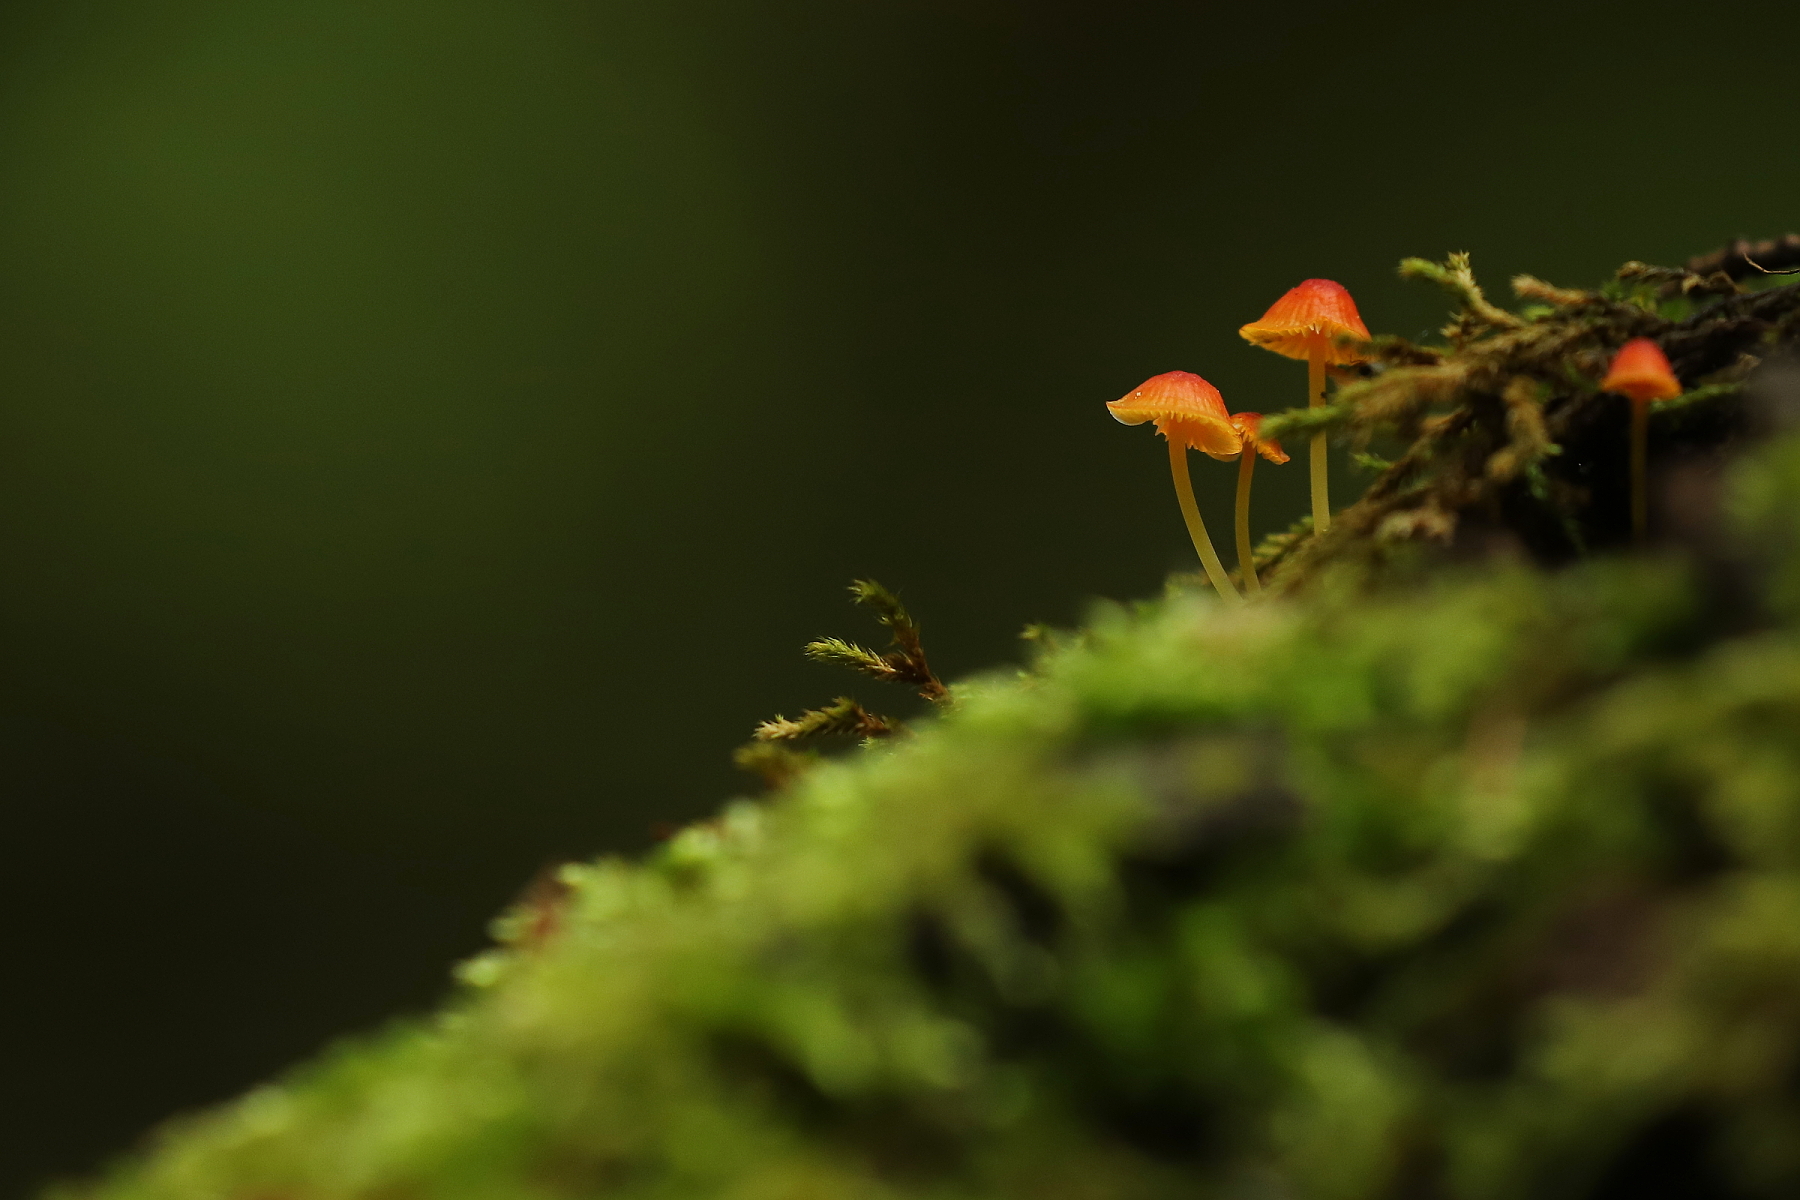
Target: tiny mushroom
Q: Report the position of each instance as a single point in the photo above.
(1309, 322)
(1640, 372)
(1248, 425)
(1188, 411)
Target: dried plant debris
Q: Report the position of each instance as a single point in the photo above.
(1506, 438)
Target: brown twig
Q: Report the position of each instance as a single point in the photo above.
(1743, 258)
(1770, 270)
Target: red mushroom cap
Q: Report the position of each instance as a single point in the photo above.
(1641, 371)
(1312, 316)
(1185, 408)
(1248, 424)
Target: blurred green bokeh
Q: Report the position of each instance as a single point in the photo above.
(430, 429)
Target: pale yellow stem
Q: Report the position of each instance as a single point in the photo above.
(1640, 462)
(1315, 396)
(1246, 563)
(1190, 512)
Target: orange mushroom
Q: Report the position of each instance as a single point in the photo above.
(1308, 323)
(1248, 425)
(1640, 372)
(1188, 411)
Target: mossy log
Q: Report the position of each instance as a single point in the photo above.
(1463, 864)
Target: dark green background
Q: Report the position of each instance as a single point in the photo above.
(429, 428)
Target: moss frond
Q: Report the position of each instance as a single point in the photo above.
(841, 716)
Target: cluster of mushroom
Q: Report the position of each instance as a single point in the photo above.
(1317, 321)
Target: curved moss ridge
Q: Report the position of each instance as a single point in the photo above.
(1486, 886)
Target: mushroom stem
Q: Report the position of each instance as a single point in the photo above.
(1640, 491)
(1190, 512)
(1246, 560)
(1315, 396)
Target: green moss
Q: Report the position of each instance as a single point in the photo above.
(1442, 874)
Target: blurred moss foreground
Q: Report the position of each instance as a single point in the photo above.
(1438, 873)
